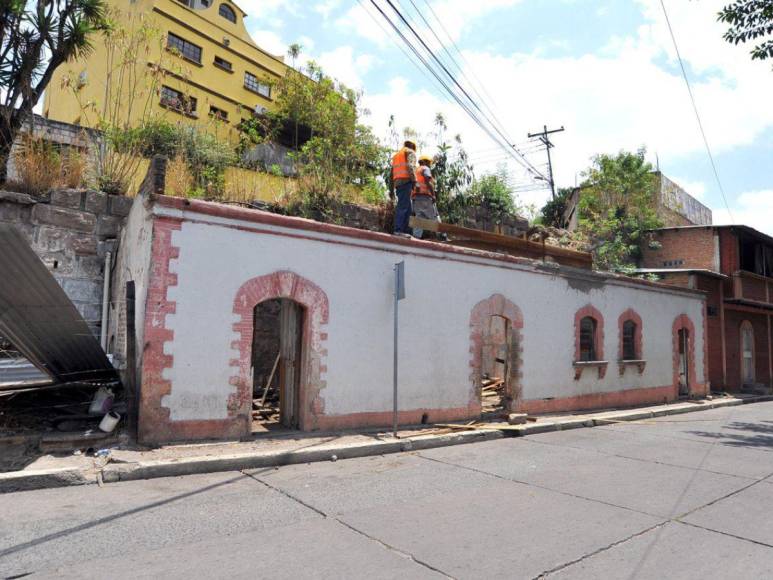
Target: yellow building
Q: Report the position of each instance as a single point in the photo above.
(213, 74)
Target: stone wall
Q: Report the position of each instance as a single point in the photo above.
(71, 230)
(58, 133)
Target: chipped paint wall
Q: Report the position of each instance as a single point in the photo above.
(221, 258)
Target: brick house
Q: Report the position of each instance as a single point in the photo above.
(734, 266)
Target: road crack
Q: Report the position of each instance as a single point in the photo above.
(383, 544)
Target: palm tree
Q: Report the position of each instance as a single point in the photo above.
(36, 37)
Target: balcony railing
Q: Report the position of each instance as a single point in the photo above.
(752, 287)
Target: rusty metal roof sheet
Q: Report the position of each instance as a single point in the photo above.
(40, 320)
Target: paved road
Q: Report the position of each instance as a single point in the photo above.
(688, 496)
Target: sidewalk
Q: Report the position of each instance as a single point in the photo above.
(122, 463)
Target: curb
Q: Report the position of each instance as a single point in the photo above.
(147, 470)
(45, 478)
(116, 472)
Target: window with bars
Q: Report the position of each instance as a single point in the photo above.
(178, 101)
(588, 327)
(223, 63)
(251, 83)
(186, 49)
(629, 341)
(227, 12)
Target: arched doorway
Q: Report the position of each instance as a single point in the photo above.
(684, 356)
(495, 336)
(295, 313)
(748, 375)
(277, 355)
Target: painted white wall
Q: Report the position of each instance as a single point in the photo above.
(434, 348)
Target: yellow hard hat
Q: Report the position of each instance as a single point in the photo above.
(426, 158)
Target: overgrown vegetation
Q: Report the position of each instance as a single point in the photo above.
(333, 149)
(552, 213)
(617, 206)
(41, 166)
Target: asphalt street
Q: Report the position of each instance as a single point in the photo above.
(685, 496)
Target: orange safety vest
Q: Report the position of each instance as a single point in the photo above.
(422, 184)
(400, 168)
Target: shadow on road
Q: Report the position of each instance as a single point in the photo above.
(114, 517)
(757, 435)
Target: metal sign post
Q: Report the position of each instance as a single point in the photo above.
(399, 295)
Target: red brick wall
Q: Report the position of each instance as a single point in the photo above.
(728, 251)
(733, 320)
(693, 246)
(713, 326)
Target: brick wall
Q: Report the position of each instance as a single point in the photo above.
(733, 321)
(683, 248)
(71, 230)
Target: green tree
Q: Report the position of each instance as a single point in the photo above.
(617, 205)
(552, 213)
(750, 20)
(36, 37)
(339, 150)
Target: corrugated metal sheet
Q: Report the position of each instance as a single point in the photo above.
(19, 371)
(40, 320)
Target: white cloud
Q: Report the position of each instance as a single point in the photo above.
(752, 208)
(269, 41)
(325, 7)
(343, 65)
(619, 98)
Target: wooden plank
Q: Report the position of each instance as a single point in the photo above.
(499, 242)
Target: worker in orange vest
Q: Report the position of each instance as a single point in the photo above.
(423, 196)
(403, 181)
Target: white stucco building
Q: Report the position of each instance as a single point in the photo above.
(564, 338)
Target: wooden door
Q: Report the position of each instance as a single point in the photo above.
(684, 363)
(747, 354)
(291, 330)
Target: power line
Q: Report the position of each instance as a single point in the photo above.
(465, 106)
(457, 66)
(697, 114)
(461, 54)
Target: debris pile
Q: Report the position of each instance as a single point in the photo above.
(558, 237)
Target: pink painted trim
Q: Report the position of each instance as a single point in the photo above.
(154, 422)
(593, 312)
(257, 216)
(630, 314)
(283, 284)
(495, 305)
(617, 399)
(683, 322)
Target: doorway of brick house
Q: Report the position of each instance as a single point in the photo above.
(496, 367)
(683, 339)
(276, 364)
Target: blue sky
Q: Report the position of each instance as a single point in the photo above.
(605, 70)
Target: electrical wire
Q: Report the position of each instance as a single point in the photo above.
(453, 79)
(494, 135)
(695, 109)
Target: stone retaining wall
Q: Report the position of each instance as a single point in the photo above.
(71, 230)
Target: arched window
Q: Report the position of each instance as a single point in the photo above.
(747, 353)
(588, 346)
(227, 12)
(629, 340)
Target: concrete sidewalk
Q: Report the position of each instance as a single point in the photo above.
(125, 464)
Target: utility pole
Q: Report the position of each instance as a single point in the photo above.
(543, 136)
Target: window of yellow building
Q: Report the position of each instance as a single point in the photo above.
(187, 49)
(251, 83)
(227, 12)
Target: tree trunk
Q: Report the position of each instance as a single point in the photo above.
(9, 127)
